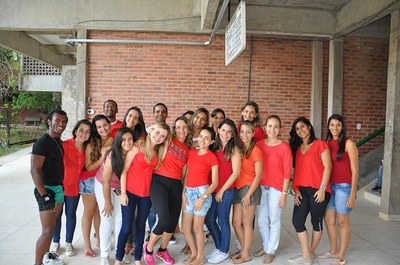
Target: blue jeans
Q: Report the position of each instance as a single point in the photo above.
(71, 204)
(143, 205)
(380, 175)
(220, 230)
(269, 218)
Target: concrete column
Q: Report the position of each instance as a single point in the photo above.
(81, 64)
(69, 97)
(316, 87)
(390, 198)
(335, 81)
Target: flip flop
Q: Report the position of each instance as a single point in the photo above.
(90, 253)
(241, 260)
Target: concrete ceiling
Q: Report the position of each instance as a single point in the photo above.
(41, 26)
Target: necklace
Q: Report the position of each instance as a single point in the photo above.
(59, 148)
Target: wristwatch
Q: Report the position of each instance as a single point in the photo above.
(205, 196)
(323, 187)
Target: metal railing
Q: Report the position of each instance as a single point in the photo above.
(371, 136)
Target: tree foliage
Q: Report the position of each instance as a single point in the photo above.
(38, 101)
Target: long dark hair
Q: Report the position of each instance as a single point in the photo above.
(232, 143)
(84, 121)
(140, 129)
(95, 138)
(248, 151)
(197, 112)
(342, 135)
(117, 158)
(295, 141)
(213, 135)
(256, 121)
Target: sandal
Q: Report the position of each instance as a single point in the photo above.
(338, 262)
(259, 253)
(185, 250)
(328, 255)
(236, 255)
(241, 260)
(268, 258)
(90, 253)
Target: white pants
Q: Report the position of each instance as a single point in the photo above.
(110, 224)
(269, 218)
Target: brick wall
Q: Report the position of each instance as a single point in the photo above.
(188, 77)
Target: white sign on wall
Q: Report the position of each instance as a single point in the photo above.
(235, 34)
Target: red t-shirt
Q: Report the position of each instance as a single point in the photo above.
(277, 164)
(140, 174)
(175, 159)
(114, 127)
(248, 170)
(309, 167)
(199, 168)
(259, 133)
(341, 169)
(74, 161)
(224, 170)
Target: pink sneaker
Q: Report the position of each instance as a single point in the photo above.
(148, 258)
(164, 256)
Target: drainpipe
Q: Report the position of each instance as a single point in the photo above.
(162, 42)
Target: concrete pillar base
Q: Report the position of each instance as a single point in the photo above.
(389, 217)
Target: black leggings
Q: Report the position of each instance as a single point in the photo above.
(166, 197)
(308, 205)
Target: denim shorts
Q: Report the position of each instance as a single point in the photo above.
(192, 194)
(255, 198)
(339, 196)
(86, 186)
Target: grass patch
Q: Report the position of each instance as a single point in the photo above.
(18, 135)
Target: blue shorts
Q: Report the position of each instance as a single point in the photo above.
(86, 186)
(339, 196)
(192, 194)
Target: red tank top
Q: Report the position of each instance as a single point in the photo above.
(140, 174)
(341, 169)
(224, 170)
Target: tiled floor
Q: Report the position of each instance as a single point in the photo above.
(374, 241)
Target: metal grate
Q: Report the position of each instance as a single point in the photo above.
(31, 66)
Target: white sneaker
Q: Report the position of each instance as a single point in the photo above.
(127, 258)
(212, 253)
(300, 260)
(55, 247)
(219, 257)
(105, 261)
(52, 259)
(69, 250)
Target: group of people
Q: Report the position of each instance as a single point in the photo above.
(198, 168)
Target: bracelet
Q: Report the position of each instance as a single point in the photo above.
(285, 192)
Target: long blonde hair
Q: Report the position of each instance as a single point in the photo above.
(159, 150)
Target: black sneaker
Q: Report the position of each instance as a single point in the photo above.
(376, 188)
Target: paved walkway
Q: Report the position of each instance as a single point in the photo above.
(374, 241)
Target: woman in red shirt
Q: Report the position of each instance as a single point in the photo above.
(200, 181)
(250, 112)
(228, 151)
(311, 185)
(166, 192)
(74, 160)
(248, 193)
(136, 178)
(134, 119)
(344, 178)
(277, 168)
